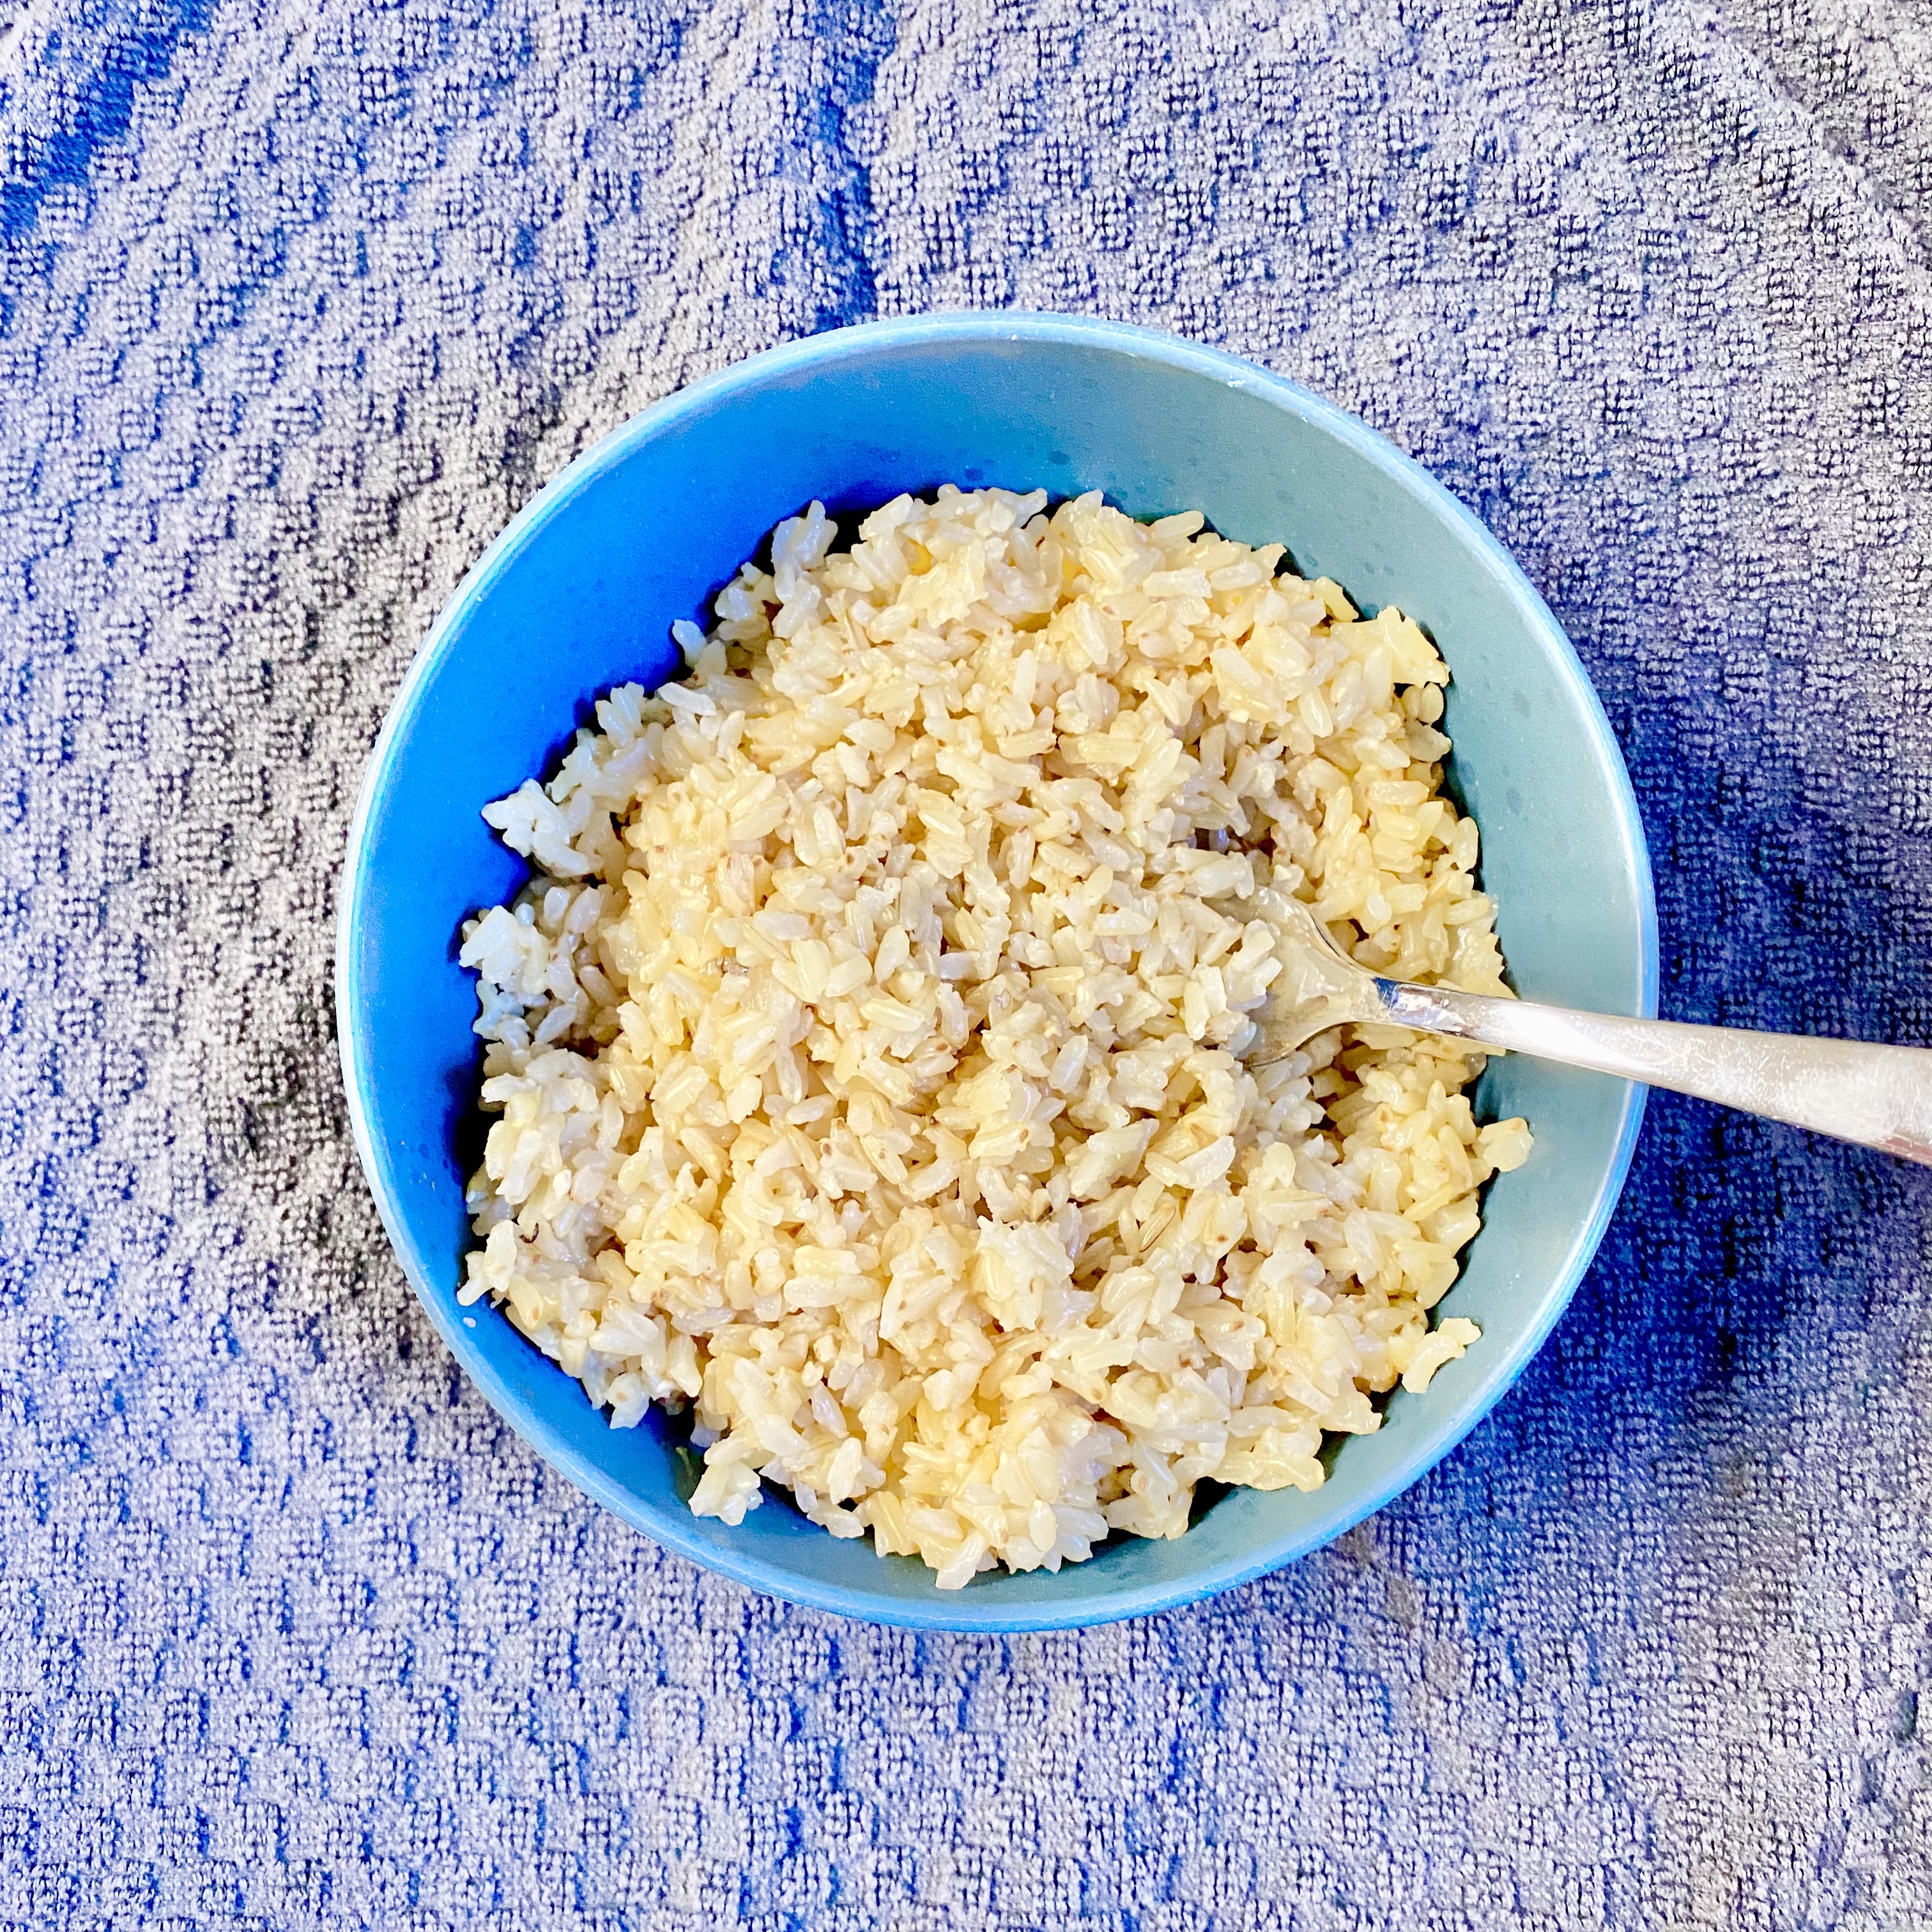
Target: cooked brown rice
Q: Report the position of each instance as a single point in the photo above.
(865, 1046)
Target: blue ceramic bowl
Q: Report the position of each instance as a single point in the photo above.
(576, 595)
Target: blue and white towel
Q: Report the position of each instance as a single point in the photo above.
(299, 299)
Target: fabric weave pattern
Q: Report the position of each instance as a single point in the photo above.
(299, 302)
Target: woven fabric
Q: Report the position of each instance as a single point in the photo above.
(300, 298)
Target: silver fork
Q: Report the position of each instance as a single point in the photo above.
(1878, 1096)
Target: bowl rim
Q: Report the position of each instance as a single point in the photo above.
(671, 1527)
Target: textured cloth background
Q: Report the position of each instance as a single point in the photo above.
(301, 298)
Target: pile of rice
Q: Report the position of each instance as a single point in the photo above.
(866, 1046)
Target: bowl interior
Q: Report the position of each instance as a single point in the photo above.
(577, 595)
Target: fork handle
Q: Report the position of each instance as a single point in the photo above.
(1878, 1096)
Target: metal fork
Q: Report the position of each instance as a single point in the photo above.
(1878, 1096)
